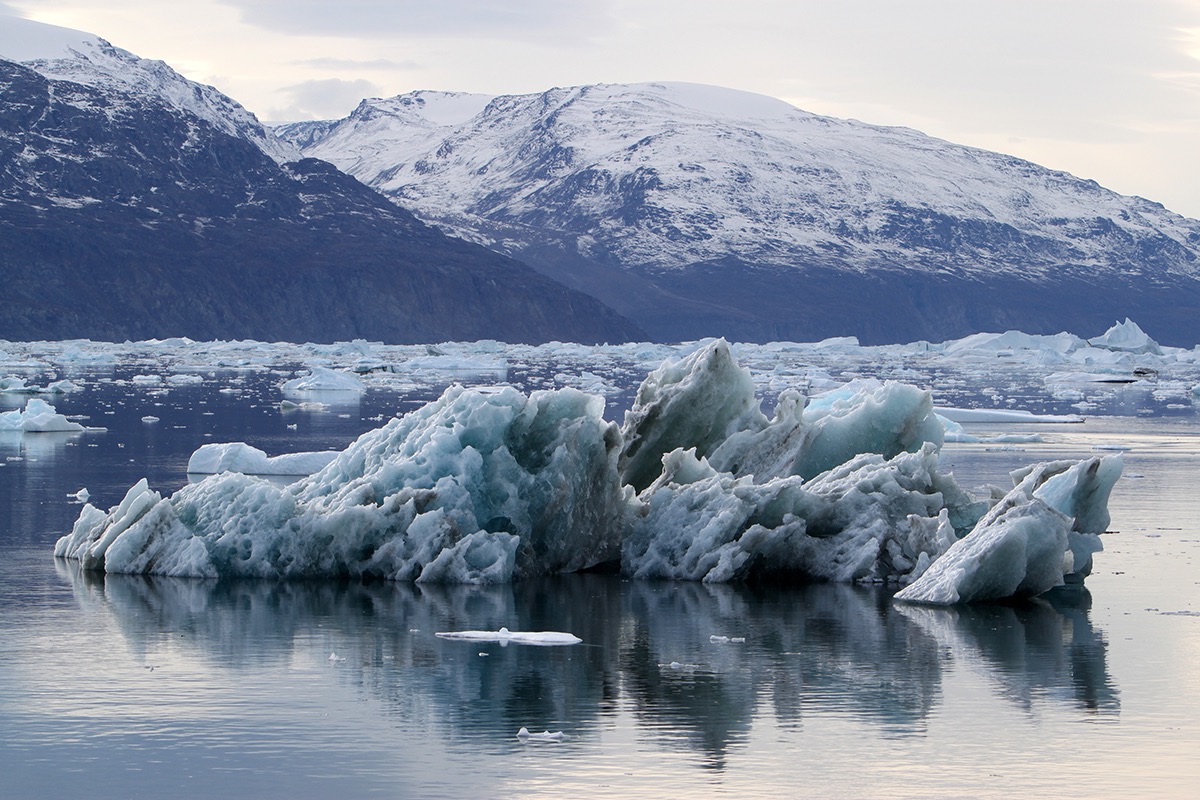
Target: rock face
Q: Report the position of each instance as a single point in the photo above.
(136, 204)
(700, 211)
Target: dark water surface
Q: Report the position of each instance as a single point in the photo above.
(119, 686)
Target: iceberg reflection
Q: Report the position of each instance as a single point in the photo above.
(695, 666)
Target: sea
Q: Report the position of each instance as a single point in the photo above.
(115, 686)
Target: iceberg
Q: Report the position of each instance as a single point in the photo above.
(323, 379)
(38, 416)
(504, 636)
(473, 488)
(490, 485)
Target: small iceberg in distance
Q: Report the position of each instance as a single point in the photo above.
(504, 636)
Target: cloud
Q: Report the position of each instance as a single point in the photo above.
(327, 98)
(515, 19)
(352, 64)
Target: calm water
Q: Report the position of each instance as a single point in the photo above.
(130, 687)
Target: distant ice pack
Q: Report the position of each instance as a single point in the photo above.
(697, 484)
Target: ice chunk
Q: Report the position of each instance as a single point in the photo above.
(545, 736)
(37, 417)
(322, 379)
(16, 385)
(505, 636)
(706, 402)
(1127, 337)
(1043, 530)
(473, 487)
(1003, 415)
(1016, 553)
(241, 457)
(696, 402)
(869, 519)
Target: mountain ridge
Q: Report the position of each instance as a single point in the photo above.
(127, 213)
(672, 191)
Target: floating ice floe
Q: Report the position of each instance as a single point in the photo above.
(324, 380)
(697, 484)
(1004, 415)
(212, 459)
(545, 736)
(16, 385)
(38, 416)
(505, 636)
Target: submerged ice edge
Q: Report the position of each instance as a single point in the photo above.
(698, 484)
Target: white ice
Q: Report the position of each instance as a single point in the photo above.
(38, 416)
(491, 485)
(212, 459)
(472, 488)
(505, 636)
(324, 380)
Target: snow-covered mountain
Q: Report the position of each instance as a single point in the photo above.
(698, 210)
(135, 203)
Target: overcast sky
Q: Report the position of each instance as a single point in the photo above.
(1105, 89)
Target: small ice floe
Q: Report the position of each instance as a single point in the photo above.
(81, 496)
(545, 736)
(39, 416)
(1003, 415)
(718, 639)
(504, 636)
(322, 379)
(16, 385)
(149, 419)
(1116, 447)
(334, 658)
(309, 405)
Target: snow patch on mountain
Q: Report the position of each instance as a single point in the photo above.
(69, 55)
(666, 175)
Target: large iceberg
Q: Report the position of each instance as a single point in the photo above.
(473, 488)
(494, 485)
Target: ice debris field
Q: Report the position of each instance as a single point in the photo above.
(491, 484)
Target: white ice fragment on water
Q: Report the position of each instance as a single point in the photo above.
(505, 636)
(150, 419)
(291, 405)
(334, 658)
(323, 379)
(38, 416)
(13, 384)
(212, 459)
(82, 496)
(545, 736)
(1003, 415)
(715, 639)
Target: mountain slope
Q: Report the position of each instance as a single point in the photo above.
(136, 204)
(699, 211)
